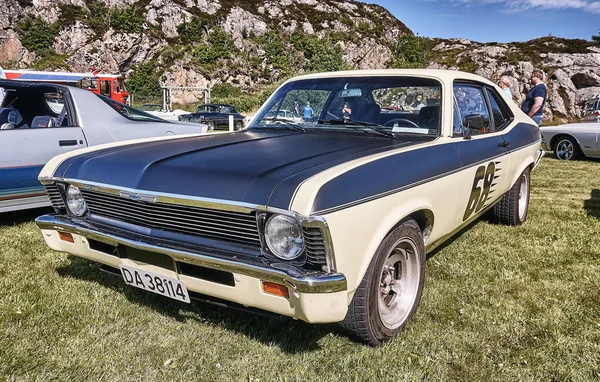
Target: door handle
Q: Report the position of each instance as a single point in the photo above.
(69, 142)
(503, 144)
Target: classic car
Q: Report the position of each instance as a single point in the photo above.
(282, 116)
(160, 112)
(215, 116)
(323, 221)
(572, 141)
(39, 121)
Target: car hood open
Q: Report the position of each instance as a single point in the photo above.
(262, 167)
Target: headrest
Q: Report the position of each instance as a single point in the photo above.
(43, 121)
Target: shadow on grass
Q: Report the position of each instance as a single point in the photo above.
(8, 219)
(290, 335)
(592, 205)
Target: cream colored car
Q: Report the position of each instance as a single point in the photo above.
(324, 220)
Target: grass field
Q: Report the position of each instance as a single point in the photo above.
(500, 303)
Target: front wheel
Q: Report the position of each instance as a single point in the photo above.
(211, 125)
(390, 291)
(239, 125)
(566, 148)
(512, 208)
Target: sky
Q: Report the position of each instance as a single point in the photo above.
(497, 20)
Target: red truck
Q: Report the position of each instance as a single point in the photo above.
(109, 85)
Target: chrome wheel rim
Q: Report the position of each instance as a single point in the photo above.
(523, 196)
(564, 150)
(399, 283)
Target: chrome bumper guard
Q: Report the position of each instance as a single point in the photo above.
(299, 279)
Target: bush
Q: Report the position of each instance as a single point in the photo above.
(128, 20)
(322, 55)
(275, 50)
(192, 31)
(143, 81)
(411, 52)
(38, 35)
(98, 18)
(225, 90)
(219, 45)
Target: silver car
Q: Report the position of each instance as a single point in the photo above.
(572, 141)
(39, 121)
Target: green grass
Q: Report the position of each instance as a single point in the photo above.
(500, 303)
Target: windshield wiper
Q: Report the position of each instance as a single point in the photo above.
(355, 125)
(289, 125)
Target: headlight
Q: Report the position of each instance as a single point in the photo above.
(284, 238)
(75, 201)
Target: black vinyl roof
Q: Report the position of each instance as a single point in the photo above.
(32, 86)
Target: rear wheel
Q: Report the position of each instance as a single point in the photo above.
(239, 125)
(512, 208)
(390, 291)
(567, 148)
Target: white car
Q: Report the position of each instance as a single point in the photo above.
(158, 111)
(326, 220)
(39, 121)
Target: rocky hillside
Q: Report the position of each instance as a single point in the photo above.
(250, 44)
(197, 42)
(571, 67)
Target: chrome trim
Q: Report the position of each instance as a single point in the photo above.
(320, 222)
(304, 281)
(540, 155)
(184, 200)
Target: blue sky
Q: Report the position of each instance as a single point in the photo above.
(497, 20)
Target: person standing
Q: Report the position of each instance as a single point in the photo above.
(536, 98)
(307, 111)
(504, 84)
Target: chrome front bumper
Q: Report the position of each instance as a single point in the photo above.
(315, 296)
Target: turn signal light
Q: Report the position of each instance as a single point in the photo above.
(276, 289)
(64, 236)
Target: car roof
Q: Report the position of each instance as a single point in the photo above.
(35, 86)
(215, 104)
(440, 74)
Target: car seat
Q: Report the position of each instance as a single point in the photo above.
(365, 111)
(43, 121)
(9, 118)
(429, 117)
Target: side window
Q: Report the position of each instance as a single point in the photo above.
(472, 108)
(105, 88)
(500, 117)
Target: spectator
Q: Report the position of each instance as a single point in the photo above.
(504, 83)
(536, 98)
(307, 111)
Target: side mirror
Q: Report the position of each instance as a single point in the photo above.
(473, 121)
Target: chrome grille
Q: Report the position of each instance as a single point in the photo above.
(54, 195)
(222, 225)
(315, 246)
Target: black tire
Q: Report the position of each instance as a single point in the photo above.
(366, 318)
(510, 210)
(567, 148)
(239, 125)
(211, 125)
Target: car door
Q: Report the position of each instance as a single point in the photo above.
(25, 150)
(482, 150)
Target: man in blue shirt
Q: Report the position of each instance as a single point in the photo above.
(307, 111)
(536, 98)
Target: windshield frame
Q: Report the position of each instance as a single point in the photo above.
(118, 107)
(332, 85)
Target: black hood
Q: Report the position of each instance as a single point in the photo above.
(261, 167)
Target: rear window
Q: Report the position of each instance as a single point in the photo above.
(129, 112)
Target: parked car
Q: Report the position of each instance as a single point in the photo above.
(591, 111)
(572, 141)
(324, 221)
(158, 111)
(282, 116)
(39, 121)
(215, 116)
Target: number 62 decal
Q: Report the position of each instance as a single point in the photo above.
(480, 192)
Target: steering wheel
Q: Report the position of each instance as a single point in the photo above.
(391, 121)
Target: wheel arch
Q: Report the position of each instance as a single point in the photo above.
(554, 140)
(421, 214)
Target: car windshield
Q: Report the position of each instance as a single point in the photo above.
(390, 104)
(129, 112)
(207, 109)
(150, 108)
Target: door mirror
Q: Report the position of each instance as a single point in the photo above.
(473, 121)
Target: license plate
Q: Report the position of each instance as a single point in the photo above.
(156, 283)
